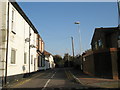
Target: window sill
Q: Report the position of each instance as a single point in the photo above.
(13, 32)
(12, 64)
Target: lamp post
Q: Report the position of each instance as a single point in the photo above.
(78, 23)
(80, 43)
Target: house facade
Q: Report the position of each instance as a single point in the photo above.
(49, 60)
(21, 47)
(40, 51)
(103, 59)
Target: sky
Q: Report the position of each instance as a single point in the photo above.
(55, 22)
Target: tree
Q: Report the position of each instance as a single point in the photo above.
(57, 60)
(68, 60)
(77, 61)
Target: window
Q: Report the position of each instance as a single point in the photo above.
(84, 59)
(99, 43)
(31, 59)
(42, 62)
(13, 56)
(13, 21)
(25, 58)
(118, 41)
(96, 46)
(39, 61)
(33, 38)
(119, 37)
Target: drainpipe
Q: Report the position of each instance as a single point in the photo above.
(7, 45)
(118, 6)
(29, 50)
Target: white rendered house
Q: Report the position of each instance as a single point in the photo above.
(18, 41)
(49, 60)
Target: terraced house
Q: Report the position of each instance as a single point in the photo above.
(21, 47)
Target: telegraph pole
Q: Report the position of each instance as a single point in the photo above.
(72, 46)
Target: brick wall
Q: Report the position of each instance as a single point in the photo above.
(88, 64)
(98, 63)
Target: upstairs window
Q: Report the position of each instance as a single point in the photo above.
(100, 43)
(96, 45)
(13, 22)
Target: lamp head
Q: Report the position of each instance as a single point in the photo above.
(77, 22)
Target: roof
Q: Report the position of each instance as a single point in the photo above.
(104, 30)
(17, 7)
(47, 53)
(107, 30)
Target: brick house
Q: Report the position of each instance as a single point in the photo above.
(103, 59)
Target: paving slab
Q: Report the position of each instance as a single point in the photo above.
(93, 81)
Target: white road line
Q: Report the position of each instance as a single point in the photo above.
(48, 81)
(53, 75)
(46, 84)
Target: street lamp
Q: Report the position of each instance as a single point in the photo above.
(80, 42)
(77, 22)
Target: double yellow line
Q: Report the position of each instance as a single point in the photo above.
(27, 80)
(69, 75)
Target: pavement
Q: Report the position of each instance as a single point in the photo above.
(94, 82)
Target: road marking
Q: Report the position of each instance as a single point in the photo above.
(67, 74)
(48, 81)
(46, 84)
(76, 79)
(25, 81)
(53, 75)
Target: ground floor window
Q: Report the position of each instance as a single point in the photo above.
(25, 58)
(41, 61)
(31, 59)
(13, 56)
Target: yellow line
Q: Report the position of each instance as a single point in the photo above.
(67, 74)
(25, 81)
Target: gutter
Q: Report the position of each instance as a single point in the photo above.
(7, 46)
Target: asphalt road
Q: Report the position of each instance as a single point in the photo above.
(57, 79)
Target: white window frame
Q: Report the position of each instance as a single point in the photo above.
(31, 59)
(13, 61)
(25, 58)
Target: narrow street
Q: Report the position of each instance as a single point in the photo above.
(50, 80)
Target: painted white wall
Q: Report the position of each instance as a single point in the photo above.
(47, 63)
(26, 47)
(52, 64)
(33, 51)
(49, 59)
(17, 42)
(3, 33)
